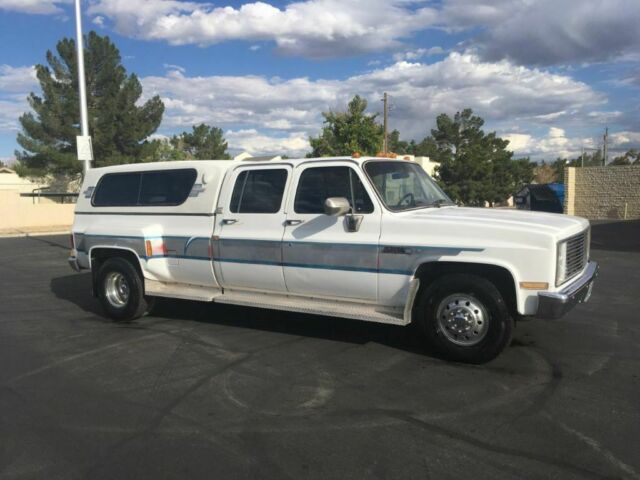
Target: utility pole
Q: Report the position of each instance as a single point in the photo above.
(385, 144)
(85, 152)
(605, 146)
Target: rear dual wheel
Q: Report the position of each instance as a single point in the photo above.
(120, 290)
(465, 318)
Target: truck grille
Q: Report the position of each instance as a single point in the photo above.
(577, 254)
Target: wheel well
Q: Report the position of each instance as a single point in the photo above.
(100, 255)
(499, 276)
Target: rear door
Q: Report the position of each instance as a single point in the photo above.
(321, 256)
(249, 228)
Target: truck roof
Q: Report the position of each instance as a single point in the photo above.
(225, 164)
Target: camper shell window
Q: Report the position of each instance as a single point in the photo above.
(160, 188)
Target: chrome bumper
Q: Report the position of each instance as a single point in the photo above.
(555, 304)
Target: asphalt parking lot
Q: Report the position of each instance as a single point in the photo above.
(214, 391)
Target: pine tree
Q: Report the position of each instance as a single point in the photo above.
(474, 167)
(117, 125)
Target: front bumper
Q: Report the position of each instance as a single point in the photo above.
(555, 304)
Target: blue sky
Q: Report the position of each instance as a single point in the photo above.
(548, 75)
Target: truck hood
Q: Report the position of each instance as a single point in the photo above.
(556, 225)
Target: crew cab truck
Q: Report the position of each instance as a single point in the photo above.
(364, 238)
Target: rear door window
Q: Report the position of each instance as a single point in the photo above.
(259, 191)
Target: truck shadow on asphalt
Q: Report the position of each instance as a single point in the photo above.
(75, 288)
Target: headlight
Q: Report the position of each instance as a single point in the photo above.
(561, 263)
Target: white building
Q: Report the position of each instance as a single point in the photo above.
(424, 162)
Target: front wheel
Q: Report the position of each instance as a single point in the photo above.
(465, 318)
(121, 291)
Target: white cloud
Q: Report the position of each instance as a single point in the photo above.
(295, 144)
(499, 92)
(554, 144)
(623, 141)
(549, 32)
(170, 66)
(528, 32)
(41, 7)
(418, 53)
(17, 79)
(15, 85)
(314, 28)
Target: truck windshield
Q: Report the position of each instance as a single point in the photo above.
(404, 185)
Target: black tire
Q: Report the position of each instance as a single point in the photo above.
(495, 331)
(119, 306)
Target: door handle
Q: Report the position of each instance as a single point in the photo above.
(293, 222)
(229, 221)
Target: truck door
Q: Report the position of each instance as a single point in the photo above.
(248, 238)
(323, 255)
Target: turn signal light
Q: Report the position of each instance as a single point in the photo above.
(534, 285)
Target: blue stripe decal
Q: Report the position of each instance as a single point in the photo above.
(417, 248)
(153, 257)
(314, 266)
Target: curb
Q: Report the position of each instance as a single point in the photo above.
(34, 234)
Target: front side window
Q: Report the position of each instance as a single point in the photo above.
(404, 185)
(258, 191)
(144, 189)
(319, 183)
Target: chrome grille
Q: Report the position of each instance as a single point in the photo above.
(577, 253)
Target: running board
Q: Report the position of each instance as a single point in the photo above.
(315, 306)
(183, 291)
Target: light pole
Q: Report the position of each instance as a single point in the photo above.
(85, 152)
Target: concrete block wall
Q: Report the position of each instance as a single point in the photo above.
(611, 192)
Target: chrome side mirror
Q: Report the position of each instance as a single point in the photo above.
(336, 206)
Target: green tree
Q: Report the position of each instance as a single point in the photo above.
(395, 145)
(161, 150)
(118, 125)
(631, 157)
(347, 132)
(202, 143)
(474, 167)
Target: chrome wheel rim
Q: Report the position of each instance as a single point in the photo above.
(116, 289)
(462, 319)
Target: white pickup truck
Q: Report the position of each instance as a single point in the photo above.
(364, 238)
